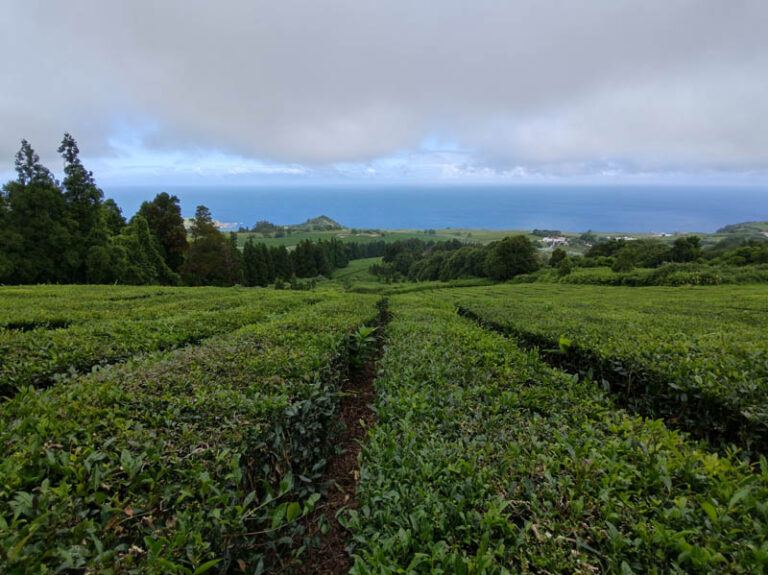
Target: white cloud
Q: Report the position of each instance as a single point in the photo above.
(518, 87)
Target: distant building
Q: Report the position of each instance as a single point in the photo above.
(555, 241)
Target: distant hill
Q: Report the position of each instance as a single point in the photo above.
(318, 224)
(757, 228)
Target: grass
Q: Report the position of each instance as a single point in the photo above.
(356, 272)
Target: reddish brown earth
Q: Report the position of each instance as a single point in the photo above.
(343, 476)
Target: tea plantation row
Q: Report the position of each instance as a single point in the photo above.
(486, 460)
(123, 328)
(697, 357)
(204, 450)
(51, 306)
(203, 458)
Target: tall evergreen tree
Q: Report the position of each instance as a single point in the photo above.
(141, 262)
(250, 263)
(163, 214)
(281, 265)
(36, 237)
(28, 167)
(210, 259)
(232, 261)
(202, 224)
(113, 217)
(255, 264)
(269, 268)
(84, 202)
(9, 241)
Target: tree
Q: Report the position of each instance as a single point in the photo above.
(135, 258)
(255, 265)
(163, 215)
(510, 257)
(202, 224)
(280, 262)
(686, 249)
(209, 260)
(650, 253)
(625, 261)
(9, 240)
(303, 261)
(35, 231)
(84, 202)
(113, 217)
(564, 267)
(28, 167)
(232, 261)
(558, 255)
(269, 266)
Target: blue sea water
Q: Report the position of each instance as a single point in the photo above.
(567, 208)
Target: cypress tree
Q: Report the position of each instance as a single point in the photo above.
(36, 238)
(268, 264)
(84, 202)
(250, 265)
(163, 215)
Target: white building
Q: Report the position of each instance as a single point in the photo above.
(555, 241)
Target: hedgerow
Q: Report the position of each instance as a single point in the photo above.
(202, 458)
(37, 357)
(669, 274)
(697, 357)
(486, 460)
(52, 306)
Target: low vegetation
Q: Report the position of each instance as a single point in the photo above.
(696, 357)
(486, 460)
(534, 426)
(40, 356)
(201, 459)
(187, 430)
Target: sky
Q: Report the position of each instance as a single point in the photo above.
(323, 91)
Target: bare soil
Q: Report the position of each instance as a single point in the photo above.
(342, 474)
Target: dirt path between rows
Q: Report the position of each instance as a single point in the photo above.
(343, 476)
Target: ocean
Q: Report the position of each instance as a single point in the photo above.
(639, 209)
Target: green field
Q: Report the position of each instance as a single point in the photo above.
(536, 428)
(745, 231)
(357, 272)
(367, 236)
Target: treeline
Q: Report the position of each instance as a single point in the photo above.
(683, 261)
(264, 265)
(650, 262)
(416, 260)
(624, 256)
(67, 232)
(52, 232)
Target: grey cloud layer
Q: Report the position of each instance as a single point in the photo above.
(654, 84)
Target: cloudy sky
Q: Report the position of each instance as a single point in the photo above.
(324, 90)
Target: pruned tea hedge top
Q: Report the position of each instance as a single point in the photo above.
(181, 461)
(697, 357)
(486, 460)
(137, 325)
